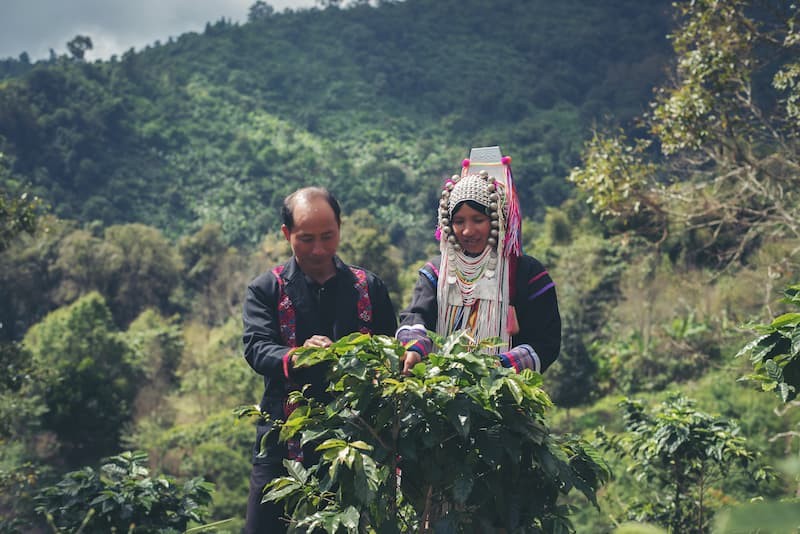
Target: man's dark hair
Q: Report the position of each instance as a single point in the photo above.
(308, 193)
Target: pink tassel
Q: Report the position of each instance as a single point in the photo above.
(438, 233)
(513, 240)
(465, 162)
(505, 160)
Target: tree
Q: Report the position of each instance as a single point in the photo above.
(363, 244)
(90, 380)
(147, 270)
(622, 185)
(20, 392)
(461, 445)
(260, 10)
(79, 45)
(85, 263)
(572, 380)
(18, 213)
(212, 275)
(678, 454)
(157, 344)
(725, 177)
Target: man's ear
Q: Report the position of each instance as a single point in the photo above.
(286, 231)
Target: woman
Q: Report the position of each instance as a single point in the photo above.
(481, 283)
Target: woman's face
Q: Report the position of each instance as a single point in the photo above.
(471, 228)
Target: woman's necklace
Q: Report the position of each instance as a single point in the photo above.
(466, 271)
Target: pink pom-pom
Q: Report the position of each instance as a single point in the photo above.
(438, 234)
(465, 163)
(448, 182)
(506, 160)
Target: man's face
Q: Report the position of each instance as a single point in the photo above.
(314, 237)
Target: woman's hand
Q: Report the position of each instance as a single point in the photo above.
(410, 359)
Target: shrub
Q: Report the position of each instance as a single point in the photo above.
(460, 445)
(121, 496)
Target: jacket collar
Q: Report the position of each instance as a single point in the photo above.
(291, 270)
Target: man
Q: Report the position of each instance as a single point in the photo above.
(310, 301)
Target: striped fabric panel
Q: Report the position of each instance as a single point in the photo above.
(541, 278)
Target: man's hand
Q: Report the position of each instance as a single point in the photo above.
(320, 342)
(410, 359)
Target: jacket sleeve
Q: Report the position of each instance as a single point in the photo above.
(536, 306)
(263, 346)
(421, 315)
(384, 319)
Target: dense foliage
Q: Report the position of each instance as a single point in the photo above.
(122, 496)
(89, 375)
(375, 102)
(679, 455)
(459, 445)
(120, 308)
(727, 133)
(775, 354)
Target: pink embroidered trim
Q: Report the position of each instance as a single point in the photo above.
(286, 359)
(364, 304)
(286, 314)
(535, 278)
(287, 318)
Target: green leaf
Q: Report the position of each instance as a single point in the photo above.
(786, 319)
(350, 519)
(278, 491)
(514, 389)
(331, 444)
(296, 470)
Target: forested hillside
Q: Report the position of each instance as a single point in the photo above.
(655, 148)
(375, 102)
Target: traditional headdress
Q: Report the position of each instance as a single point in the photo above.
(473, 292)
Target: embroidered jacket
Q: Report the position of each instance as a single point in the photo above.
(280, 313)
(538, 342)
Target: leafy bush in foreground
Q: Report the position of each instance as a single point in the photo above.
(460, 445)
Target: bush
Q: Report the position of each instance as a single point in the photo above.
(461, 444)
(122, 497)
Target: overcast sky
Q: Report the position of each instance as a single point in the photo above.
(36, 26)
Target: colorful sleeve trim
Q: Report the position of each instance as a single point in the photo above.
(415, 337)
(433, 278)
(521, 357)
(543, 290)
(420, 346)
(535, 278)
(286, 361)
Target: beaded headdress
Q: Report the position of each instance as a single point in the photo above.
(473, 292)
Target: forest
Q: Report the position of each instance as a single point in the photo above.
(656, 152)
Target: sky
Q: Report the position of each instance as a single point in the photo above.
(36, 26)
